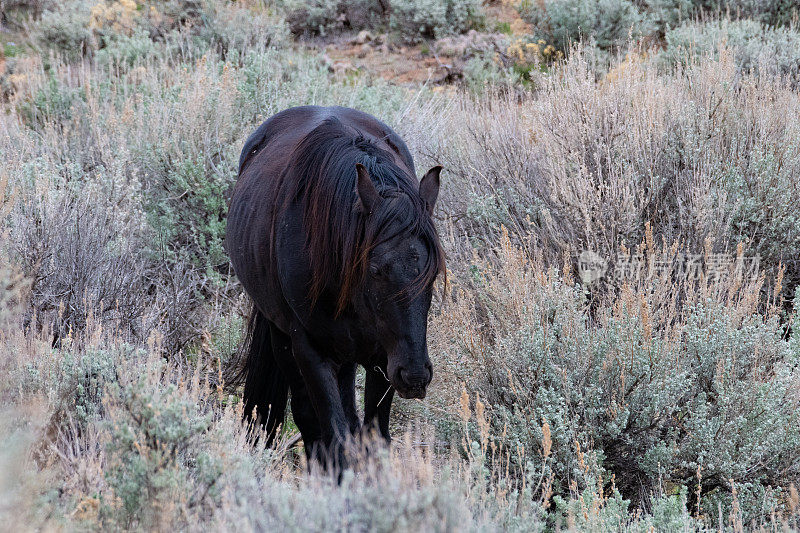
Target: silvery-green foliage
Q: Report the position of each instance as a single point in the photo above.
(155, 454)
(273, 80)
(611, 514)
(174, 452)
(760, 203)
(666, 14)
(52, 103)
(78, 383)
(315, 16)
(176, 28)
(719, 395)
(794, 340)
(412, 19)
(418, 19)
(482, 73)
(233, 29)
(127, 50)
(756, 47)
(771, 12)
(65, 28)
(611, 24)
(608, 23)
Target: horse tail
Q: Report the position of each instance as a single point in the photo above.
(266, 391)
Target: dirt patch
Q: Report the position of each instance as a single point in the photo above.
(402, 65)
(433, 62)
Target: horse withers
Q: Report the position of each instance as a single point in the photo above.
(331, 235)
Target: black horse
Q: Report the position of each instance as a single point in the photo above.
(331, 236)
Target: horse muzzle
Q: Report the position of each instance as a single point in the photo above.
(413, 383)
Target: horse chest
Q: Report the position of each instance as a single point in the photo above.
(344, 340)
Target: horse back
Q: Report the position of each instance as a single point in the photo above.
(265, 158)
(281, 132)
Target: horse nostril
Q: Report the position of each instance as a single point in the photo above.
(419, 378)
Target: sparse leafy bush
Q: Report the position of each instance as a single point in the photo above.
(127, 50)
(317, 16)
(155, 437)
(127, 30)
(236, 27)
(80, 247)
(50, 103)
(80, 382)
(482, 72)
(771, 12)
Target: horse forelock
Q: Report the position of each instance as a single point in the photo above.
(339, 235)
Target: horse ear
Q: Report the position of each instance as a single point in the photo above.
(366, 191)
(429, 187)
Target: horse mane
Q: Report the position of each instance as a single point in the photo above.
(339, 234)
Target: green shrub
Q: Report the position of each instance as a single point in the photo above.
(316, 16)
(52, 103)
(127, 50)
(624, 399)
(155, 455)
(128, 31)
(65, 29)
(483, 72)
(771, 12)
(320, 17)
(80, 382)
(610, 24)
(666, 14)
(414, 20)
(418, 19)
(756, 48)
(231, 28)
(554, 161)
(187, 209)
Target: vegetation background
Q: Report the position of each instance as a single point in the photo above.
(638, 129)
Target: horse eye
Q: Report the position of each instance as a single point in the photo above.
(374, 271)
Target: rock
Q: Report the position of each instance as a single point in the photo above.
(364, 36)
(365, 50)
(343, 67)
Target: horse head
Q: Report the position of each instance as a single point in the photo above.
(401, 265)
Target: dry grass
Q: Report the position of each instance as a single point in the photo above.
(706, 154)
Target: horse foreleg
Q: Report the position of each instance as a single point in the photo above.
(378, 394)
(322, 385)
(347, 391)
